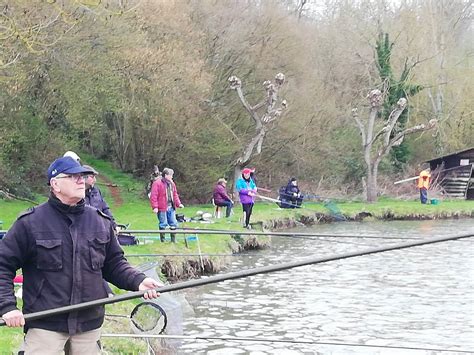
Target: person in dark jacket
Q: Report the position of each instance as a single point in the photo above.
(94, 197)
(292, 197)
(221, 198)
(64, 248)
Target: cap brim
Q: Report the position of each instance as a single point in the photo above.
(78, 170)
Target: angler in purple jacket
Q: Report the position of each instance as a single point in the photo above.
(64, 248)
(247, 190)
(221, 198)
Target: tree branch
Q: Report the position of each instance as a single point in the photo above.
(393, 118)
(355, 116)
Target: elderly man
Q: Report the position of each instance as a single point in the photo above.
(65, 249)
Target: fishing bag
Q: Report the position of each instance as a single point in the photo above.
(283, 197)
(127, 239)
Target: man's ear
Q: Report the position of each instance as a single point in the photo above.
(54, 185)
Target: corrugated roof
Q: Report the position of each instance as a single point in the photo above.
(448, 155)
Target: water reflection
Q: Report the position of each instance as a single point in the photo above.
(412, 298)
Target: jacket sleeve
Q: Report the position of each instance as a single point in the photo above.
(13, 251)
(106, 208)
(154, 195)
(224, 195)
(117, 269)
(177, 201)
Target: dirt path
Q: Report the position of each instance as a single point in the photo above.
(114, 190)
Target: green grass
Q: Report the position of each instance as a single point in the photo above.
(136, 211)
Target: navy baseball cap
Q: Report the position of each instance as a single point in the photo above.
(66, 165)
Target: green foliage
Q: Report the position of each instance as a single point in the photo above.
(145, 85)
(396, 89)
(26, 145)
(383, 48)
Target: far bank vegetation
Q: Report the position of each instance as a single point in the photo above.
(144, 82)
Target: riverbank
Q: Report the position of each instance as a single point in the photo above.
(266, 216)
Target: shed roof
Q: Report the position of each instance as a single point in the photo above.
(450, 155)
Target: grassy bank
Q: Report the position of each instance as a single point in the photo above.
(138, 214)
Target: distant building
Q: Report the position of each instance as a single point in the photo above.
(454, 173)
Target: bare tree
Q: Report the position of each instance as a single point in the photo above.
(377, 146)
(271, 113)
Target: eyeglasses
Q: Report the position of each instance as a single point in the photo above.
(74, 177)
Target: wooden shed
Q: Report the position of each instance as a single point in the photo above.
(454, 173)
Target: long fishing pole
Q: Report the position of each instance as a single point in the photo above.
(434, 171)
(281, 202)
(303, 235)
(156, 255)
(247, 232)
(335, 214)
(237, 275)
(269, 340)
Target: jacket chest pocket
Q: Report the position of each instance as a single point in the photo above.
(49, 254)
(97, 253)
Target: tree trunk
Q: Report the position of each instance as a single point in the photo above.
(237, 173)
(372, 184)
(254, 147)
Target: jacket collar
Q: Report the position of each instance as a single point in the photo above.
(66, 209)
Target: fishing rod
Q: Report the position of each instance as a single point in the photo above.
(302, 235)
(226, 255)
(331, 239)
(277, 201)
(237, 275)
(434, 171)
(156, 255)
(108, 184)
(319, 197)
(247, 232)
(405, 180)
(287, 341)
(333, 209)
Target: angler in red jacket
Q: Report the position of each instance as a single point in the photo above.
(164, 200)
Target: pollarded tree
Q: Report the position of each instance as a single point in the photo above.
(396, 88)
(377, 145)
(261, 120)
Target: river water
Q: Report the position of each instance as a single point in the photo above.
(402, 301)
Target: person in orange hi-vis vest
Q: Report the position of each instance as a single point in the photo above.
(424, 185)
